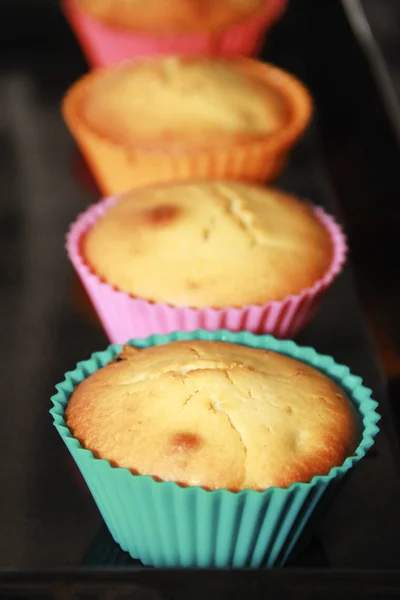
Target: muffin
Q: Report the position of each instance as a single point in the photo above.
(203, 452)
(111, 31)
(172, 118)
(205, 254)
(215, 415)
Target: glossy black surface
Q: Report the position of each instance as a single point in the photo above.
(47, 517)
(354, 70)
(197, 585)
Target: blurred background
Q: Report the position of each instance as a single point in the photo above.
(347, 53)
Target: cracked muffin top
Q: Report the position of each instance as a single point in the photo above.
(214, 414)
(211, 244)
(175, 102)
(171, 16)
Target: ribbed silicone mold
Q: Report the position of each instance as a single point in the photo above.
(166, 525)
(105, 45)
(119, 167)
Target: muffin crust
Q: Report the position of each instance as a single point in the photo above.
(214, 414)
(174, 103)
(211, 244)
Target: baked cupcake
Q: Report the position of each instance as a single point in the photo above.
(111, 31)
(205, 255)
(165, 119)
(208, 453)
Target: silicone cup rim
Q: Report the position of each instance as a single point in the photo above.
(263, 18)
(86, 220)
(341, 374)
(295, 93)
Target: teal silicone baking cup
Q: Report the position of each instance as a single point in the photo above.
(166, 525)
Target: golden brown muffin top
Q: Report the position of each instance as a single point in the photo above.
(174, 102)
(208, 244)
(214, 414)
(171, 16)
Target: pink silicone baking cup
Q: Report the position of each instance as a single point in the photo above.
(104, 45)
(124, 317)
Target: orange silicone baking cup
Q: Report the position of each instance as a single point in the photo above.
(118, 167)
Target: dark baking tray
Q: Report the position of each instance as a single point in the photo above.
(51, 537)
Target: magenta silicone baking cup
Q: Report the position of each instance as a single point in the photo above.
(104, 45)
(124, 316)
